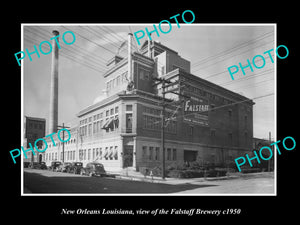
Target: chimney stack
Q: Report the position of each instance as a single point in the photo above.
(149, 51)
(130, 57)
(53, 114)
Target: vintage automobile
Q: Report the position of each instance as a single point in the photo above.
(64, 167)
(36, 165)
(75, 167)
(26, 164)
(54, 165)
(93, 169)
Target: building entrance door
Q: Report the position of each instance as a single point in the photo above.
(128, 156)
(40, 158)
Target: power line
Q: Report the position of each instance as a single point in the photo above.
(82, 52)
(247, 78)
(70, 57)
(233, 49)
(231, 56)
(95, 32)
(225, 71)
(92, 41)
(222, 106)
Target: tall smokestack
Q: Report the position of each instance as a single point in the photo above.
(130, 57)
(53, 115)
(149, 51)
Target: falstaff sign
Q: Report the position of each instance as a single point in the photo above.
(196, 111)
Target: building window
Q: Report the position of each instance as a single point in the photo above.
(116, 153)
(246, 120)
(94, 127)
(111, 152)
(129, 108)
(191, 130)
(128, 122)
(90, 129)
(144, 152)
(157, 153)
(168, 154)
(150, 153)
(230, 113)
(100, 153)
(174, 154)
(116, 122)
(99, 125)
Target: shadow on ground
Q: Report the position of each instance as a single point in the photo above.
(37, 183)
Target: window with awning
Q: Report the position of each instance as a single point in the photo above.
(108, 124)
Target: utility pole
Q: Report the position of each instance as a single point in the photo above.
(163, 82)
(63, 143)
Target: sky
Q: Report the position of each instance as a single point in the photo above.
(211, 49)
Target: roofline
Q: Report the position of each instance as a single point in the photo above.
(35, 118)
(215, 87)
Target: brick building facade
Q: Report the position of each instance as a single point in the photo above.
(122, 128)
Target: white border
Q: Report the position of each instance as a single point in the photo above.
(145, 24)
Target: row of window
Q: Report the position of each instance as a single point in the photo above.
(52, 156)
(204, 93)
(153, 153)
(154, 123)
(35, 125)
(96, 123)
(107, 153)
(229, 137)
(71, 141)
(99, 116)
(110, 124)
(157, 112)
(116, 81)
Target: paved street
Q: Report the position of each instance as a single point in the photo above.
(42, 181)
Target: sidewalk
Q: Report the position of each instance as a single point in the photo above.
(178, 181)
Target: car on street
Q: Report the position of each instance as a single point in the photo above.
(26, 164)
(64, 167)
(93, 169)
(54, 165)
(36, 165)
(75, 167)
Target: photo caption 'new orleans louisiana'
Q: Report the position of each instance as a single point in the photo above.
(162, 117)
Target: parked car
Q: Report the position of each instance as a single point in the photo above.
(93, 169)
(26, 164)
(75, 167)
(43, 165)
(54, 165)
(36, 165)
(63, 167)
